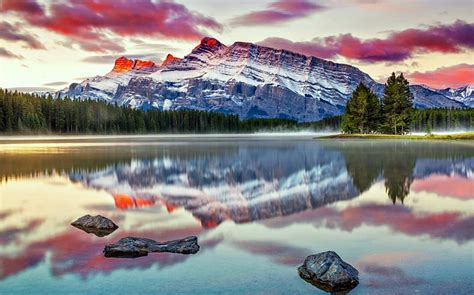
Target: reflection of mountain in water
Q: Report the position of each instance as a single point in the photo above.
(254, 181)
(449, 166)
(247, 184)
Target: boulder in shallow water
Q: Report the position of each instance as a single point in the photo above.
(329, 272)
(98, 225)
(131, 247)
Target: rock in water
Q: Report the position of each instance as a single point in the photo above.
(329, 272)
(131, 247)
(98, 225)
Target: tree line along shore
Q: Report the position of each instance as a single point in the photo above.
(23, 113)
(393, 116)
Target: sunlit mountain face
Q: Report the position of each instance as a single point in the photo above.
(400, 211)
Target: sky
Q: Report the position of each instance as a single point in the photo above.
(50, 44)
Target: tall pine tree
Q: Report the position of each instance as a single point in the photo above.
(362, 111)
(397, 105)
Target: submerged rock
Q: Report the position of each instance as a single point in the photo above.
(329, 272)
(131, 247)
(98, 225)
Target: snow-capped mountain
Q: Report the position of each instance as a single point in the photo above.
(244, 79)
(464, 94)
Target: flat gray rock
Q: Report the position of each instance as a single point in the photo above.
(98, 225)
(131, 247)
(329, 272)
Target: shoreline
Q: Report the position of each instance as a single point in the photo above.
(455, 136)
(153, 138)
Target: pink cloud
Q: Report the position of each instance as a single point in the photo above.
(26, 6)
(444, 77)
(398, 46)
(278, 12)
(90, 23)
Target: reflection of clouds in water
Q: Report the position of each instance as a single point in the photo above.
(277, 252)
(378, 270)
(6, 213)
(454, 186)
(100, 207)
(446, 225)
(382, 269)
(388, 277)
(74, 251)
(57, 182)
(13, 233)
(392, 257)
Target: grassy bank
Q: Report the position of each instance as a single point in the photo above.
(460, 136)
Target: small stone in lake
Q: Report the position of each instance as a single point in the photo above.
(329, 272)
(98, 225)
(131, 247)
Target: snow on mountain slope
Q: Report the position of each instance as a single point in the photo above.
(426, 98)
(244, 79)
(106, 87)
(464, 94)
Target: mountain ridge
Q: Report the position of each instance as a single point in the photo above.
(247, 79)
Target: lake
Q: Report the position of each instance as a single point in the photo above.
(401, 212)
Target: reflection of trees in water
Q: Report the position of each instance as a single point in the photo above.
(398, 174)
(27, 163)
(366, 163)
(394, 161)
(363, 166)
(210, 163)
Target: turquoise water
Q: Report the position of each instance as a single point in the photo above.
(401, 212)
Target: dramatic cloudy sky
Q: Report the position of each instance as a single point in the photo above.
(52, 43)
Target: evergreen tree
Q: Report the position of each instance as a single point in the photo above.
(26, 113)
(362, 112)
(397, 105)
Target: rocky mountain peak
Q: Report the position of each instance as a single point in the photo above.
(170, 59)
(123, 65)
(209, 44)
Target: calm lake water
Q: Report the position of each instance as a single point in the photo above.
(401, 212)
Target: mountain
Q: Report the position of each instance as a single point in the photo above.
(464, 94)
(250, 80)
(426, 98)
